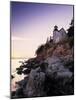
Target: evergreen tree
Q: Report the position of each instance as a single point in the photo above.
(71, 29)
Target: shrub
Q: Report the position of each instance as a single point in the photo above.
(40, 49)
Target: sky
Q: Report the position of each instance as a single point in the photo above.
(32, 23)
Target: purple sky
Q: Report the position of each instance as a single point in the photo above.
(34, 22)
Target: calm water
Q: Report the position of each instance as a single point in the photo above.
(15, 64)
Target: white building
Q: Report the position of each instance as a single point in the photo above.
(58, 35)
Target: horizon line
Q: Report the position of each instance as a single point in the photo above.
(21, 57)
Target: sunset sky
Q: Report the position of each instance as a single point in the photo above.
(32, 23)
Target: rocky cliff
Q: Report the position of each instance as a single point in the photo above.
(50, 73)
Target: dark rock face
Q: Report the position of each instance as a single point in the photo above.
(52, 77)
(59, 79)
(57, 68)
(35, 84)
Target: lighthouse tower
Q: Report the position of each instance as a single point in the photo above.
(58, 35)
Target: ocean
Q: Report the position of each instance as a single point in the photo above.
(15, 63)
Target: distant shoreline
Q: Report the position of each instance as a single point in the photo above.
(19, 58)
